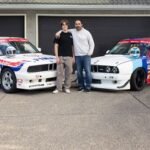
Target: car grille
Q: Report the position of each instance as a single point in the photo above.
(97, 68)
(103, 69)
(40, 68)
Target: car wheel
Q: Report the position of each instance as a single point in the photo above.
(8, 81)
(138, 79)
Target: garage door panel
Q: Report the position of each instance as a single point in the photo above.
(106, 31)
(12, 26)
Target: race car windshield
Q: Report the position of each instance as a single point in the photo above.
(24, 47)
(123, 48)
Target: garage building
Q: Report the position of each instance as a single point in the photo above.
(107, 20)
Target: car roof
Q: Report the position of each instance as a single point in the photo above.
(136, 40)
(11, 39)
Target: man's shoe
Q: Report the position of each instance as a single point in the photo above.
(55, 91)
(87, 90)
(80, 89)
(67, 91)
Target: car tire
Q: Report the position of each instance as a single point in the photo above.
(138, 79)
(8, 81)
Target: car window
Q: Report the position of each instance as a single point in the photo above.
(120, 49)
(124, 48)
(3, 47)
(24, 47)
(21, 47)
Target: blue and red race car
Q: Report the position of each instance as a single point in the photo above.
(22, 66)
(126, 66)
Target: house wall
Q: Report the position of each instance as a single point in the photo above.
(32, 16)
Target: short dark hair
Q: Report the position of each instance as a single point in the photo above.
(79, 20)
(64, 21)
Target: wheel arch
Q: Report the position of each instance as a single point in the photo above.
(133, 84)
(139, 68)
(13, 88)
(4, 67)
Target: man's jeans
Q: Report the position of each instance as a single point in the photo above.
(83, 64)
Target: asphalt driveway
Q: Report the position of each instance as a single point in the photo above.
(99, 120)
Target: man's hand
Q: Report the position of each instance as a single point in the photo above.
(57, 35)
(73, 60)
(58, 61)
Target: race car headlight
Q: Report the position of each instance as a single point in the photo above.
(111, 69)
(108, 69)
(115, 70)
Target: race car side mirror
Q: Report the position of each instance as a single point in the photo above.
(107, 51)
(39, 49)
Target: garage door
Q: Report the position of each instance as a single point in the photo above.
(12, 26)
(105, 30)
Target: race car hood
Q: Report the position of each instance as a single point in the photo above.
(27, 59)
(111, 60)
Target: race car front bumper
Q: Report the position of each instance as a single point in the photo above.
(110, 81)
(38, 80)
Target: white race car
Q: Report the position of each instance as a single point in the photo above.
(22, 66)
(126, 66)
